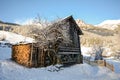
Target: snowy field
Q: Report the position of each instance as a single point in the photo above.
(9, 70)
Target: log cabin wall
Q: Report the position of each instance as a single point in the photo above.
(74, 36)
(38, 57)
(72, 52)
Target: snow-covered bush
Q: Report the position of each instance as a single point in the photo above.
(2, 37)
(117, 55)
(98, 50)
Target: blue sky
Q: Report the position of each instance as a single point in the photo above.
(90, 11)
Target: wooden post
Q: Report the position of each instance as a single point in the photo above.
(104, 63)
(3, 27)
(31, 54)
(42, 57)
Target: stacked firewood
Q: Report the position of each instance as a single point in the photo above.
(21, 53)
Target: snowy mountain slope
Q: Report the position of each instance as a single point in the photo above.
(14, 38)
(81, 23)
(109, 24)
(10, 70)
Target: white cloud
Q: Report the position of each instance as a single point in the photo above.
(24, 21)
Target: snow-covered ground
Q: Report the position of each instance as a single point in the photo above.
(116, 64)
(9, 70)
(5, 53)
(86, 51)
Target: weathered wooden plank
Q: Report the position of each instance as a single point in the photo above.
(69, 49)
(68, 52)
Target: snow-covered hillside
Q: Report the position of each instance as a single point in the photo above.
(109, 24)
(13, 38)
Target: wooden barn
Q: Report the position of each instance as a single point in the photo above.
(62, 46)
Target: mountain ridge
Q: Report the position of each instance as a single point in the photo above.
(8, 23)
(109, 24)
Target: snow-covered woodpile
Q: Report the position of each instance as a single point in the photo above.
(57, 43)
(33, 55)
